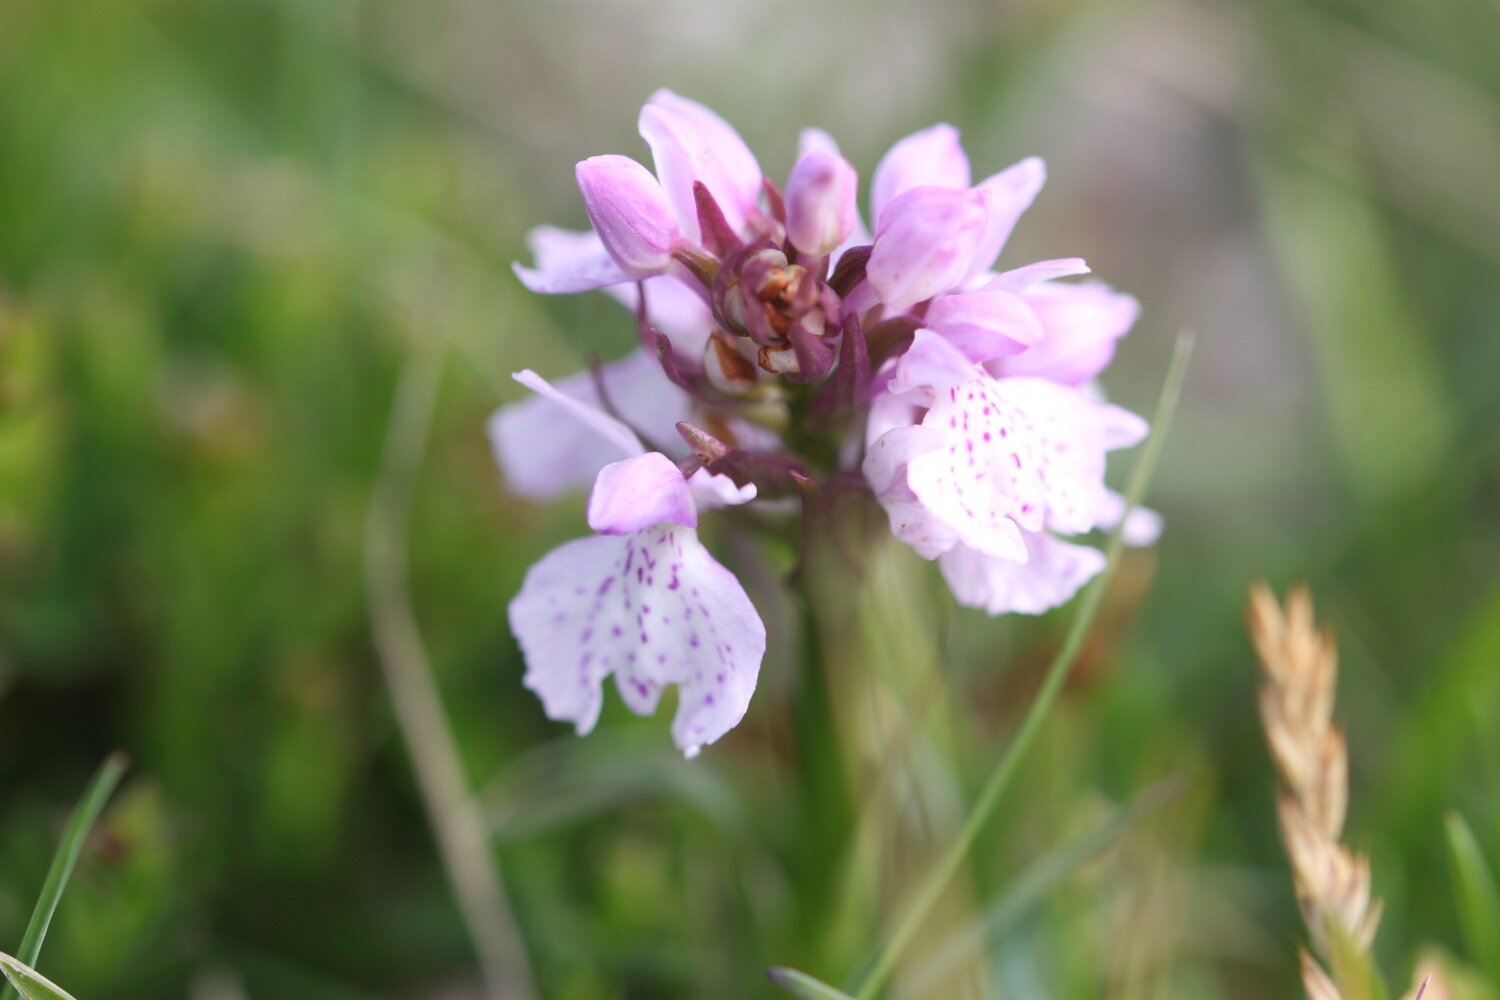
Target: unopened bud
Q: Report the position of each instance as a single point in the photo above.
(821, 207)
(630, 212)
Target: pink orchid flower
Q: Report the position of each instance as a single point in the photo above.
(960, 398)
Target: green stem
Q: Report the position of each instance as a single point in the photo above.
(459, 827)
(1057, 675)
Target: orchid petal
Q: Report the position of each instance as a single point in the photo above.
(815, 140)
(933, 157)
(1143, 527)
(713, 490)
(821, 204)
(690, 143)
(984, 483)
(609, 428)
(1082, 323)
(634, 494)
(933, 363)
(1021, 279)
(675, 309)
(1123, 429)
(630, 212)
(1052, 574)
(567, 262)
(654, 608)
(557, 441)
(1007, 195)
(985, 324)
(1066, 433)
(924, 244)
(885, 467)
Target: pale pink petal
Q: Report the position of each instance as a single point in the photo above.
(1143, 527)
(556, 442)
(640, 492)
(984, 482)
(888, 455)
(924, 245)
(1007, 195)
(1123, 429)
(673, 308)
(885, 466)
(821, 209)
(931, 363)
(984, 325)
(1020, 279)
(567, 262)
(815, 140)
(711, 491)
(1081, 323)
(654, 608)
(630, 212)
(933, 157)
(887, 412)
(1052, 574)
(690, 143)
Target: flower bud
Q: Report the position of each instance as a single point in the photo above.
(630, 212)
(821, 208)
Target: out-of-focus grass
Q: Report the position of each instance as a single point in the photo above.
(217, 221)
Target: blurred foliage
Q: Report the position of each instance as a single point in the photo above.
(223, 222)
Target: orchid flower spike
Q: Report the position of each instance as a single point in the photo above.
(781, 345)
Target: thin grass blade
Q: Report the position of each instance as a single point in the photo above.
(800, 984)
(31, 984)
(1039, 880)
(85, 814)
(1478, 899)
(1057, 674)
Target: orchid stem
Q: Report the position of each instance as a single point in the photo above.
(1057, 675)
(453, 812)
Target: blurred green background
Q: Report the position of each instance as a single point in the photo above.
(223, 227)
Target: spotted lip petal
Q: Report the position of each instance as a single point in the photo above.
(653, 608)
(1052, 574)
(1066, 431)
(984, 482)
(690, 143)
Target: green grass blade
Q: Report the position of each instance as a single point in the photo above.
(84, 816)
(1354, 970)
(1478, 899)
(31, 984)
(1039, 880)
(1057, 674)
(800, 984)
